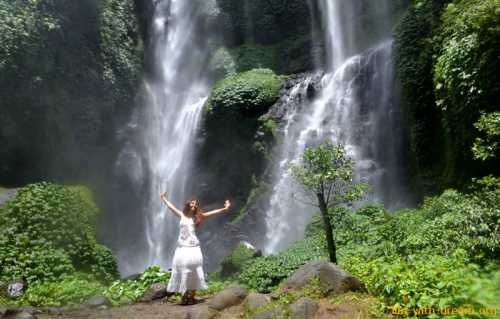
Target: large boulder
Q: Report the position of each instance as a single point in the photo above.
(256, 300)
(277, 313)
(332, 279)
(154, 292)
(230, 296)
(98, 301)
(303, 308)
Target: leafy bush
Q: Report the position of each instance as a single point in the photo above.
(74, 289)
(47, 230)
(487, 146)
(121, 292)
(447, 60)
(265, 273)
(248, 92)
(428, 281)
(235, 262)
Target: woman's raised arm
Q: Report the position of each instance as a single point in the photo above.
(217, 211)
(170, 205)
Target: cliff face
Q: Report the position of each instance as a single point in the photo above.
(69, 73)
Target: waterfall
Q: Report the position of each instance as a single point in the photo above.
(175, 90)
(356, 106)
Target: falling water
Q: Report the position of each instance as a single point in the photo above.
(357, 106)
(175, 91)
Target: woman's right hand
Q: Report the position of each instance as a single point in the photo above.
(162, 194)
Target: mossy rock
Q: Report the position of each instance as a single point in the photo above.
(249, 93)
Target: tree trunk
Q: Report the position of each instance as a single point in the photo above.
(332, 250)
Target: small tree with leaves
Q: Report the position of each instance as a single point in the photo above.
(325, 173)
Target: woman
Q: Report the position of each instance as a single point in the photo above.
(187, 272)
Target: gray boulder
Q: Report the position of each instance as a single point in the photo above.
(98, 301)
(23, 315)
(230, 296)
(332, 279)
(256, 300)
(154, 292)
(304, 308)
(270, 314)
(6, 195)
(16, 289)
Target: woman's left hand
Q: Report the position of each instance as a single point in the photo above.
(227, 203)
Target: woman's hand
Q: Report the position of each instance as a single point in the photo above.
(162, 194)
(227, 203)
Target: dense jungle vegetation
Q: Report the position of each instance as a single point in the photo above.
(70, 78)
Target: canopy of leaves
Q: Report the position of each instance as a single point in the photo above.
(488, 145)
(326, 169)
(47, 231)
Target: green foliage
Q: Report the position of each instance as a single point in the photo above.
(311, 290)
(73, 289)
(487, 147)
(327, 170)
(47, 230)
(79, 67)
(122, 292)
(248, 92)
(234, 263)
(265, 273)
(23, 23)
(447, 60)
(428, 281)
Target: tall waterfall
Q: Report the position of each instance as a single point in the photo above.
(357, 106)
(176, 88)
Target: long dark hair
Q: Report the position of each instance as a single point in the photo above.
(198, 214)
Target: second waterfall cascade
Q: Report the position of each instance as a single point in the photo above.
(357, 106)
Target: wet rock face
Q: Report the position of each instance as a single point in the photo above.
(333, 280)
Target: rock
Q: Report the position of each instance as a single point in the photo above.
(6, 195)
(16, 289)
(154, 292)
(304, 308)
(98, 301)
(332, 279)
(270, 314)
(200, 312)
(256, 300)
(257, 252)
(230, 296)
(23, 315)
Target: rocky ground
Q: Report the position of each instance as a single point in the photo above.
(344, 298)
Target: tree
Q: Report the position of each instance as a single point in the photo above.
(325, 173)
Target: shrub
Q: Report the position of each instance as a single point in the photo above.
(47, 230)
(248, 92)
(266, 273)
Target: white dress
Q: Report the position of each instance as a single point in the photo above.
(187, 265)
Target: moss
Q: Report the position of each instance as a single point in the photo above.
(250, 92)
